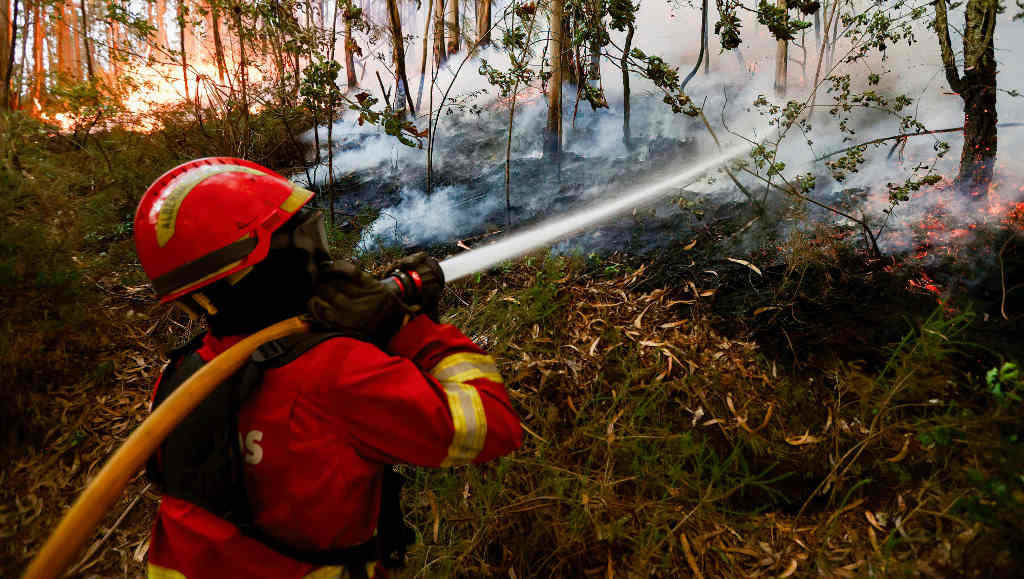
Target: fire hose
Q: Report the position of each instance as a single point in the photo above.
(87, 511)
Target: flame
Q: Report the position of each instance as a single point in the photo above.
(158, 86)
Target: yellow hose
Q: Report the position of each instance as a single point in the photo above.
(77, 524)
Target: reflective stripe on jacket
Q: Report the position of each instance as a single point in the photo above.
(317, 435)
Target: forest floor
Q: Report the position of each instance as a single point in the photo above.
(797, 410)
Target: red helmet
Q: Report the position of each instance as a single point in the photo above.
(209, 218)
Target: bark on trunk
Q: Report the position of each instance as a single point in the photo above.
(6, 51)
(977, 88)
(454, 32)
(38, 69)
(398, 57)
(440, 54)
(977, 160)
(483, 22)
(86, 45)
(627, 138)
(66, 64)
(158, 19)
(553, 130)
(781, 61)
(218, 42)
(570, 66)
(350, 61)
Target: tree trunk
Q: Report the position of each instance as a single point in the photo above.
(350, 62)
(440, 54)
(218, 42)
(553, 130)
(66, 64)
(594, 73)
(184, 53)
(454, 31)
(626, 134)
(86, 45)
(781, 61)
(398, 57)
(158, 19)
(426, 40)
(6, 51)
(977, 159)
(243, 64)
(18, 92)
(977, 88)
(38, 69)
(569, 64)
(483, 22)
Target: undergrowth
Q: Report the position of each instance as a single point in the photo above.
(656, 444)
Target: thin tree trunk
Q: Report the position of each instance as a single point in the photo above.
(243, 61)
(38, 69)
(330, 122)
(483, 22)
(184, 52)
(454, 31)
(553, 130)
(218, 43)
(511, 119)
(398, 56)
(440, 53)
(426, 41)
(350, 62)
(158, 19)
(18, 92)
(781, 61)
(626, 134)
(76, 31)
(86, 45)
(8, 32)
(704, 46)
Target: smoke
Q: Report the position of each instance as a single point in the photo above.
(468, 196)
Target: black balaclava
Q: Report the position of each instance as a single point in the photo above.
(277, 288)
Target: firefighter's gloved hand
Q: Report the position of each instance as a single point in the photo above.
(432, 278)
(350, 300)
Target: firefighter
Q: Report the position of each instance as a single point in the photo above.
(306, 485)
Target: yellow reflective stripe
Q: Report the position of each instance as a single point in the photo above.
(479, 360)
(158, 572)
(298, 197)
(468, 418)
(469, 422)
(180, 187)
(329, 572)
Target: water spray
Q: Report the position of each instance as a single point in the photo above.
(408, 284)
(519, 244)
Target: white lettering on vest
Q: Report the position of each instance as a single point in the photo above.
(253, 451)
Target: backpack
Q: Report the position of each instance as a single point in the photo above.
(202, 461)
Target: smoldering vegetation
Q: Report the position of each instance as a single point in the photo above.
(376, 178)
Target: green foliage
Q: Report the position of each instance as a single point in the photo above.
(778, 21)
(1005, 383)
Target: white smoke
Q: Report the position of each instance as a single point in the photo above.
(726, 96)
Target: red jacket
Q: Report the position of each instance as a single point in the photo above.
(317, 435)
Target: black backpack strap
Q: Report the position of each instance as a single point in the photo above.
(277, 353)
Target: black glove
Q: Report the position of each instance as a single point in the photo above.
(426, 298)
(352, 301)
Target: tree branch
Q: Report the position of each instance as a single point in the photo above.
(948, 59)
